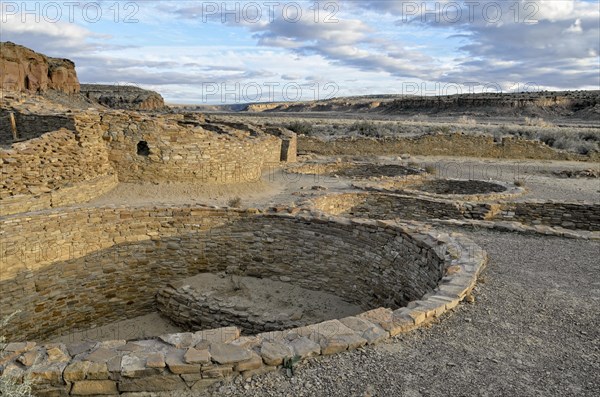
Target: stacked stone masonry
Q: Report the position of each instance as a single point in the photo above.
(109, 263)
(375, 205)
(117, 254)
(102, 148)
(29, 126)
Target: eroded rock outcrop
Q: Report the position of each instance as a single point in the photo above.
(24, 70)
(123, 97)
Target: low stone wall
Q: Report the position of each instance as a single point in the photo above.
(395, 206)
(62, 280)
(584, 216)
(440, 145)
(71, 194)
(377, 205)
(451, 189)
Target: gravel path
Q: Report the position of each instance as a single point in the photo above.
(533, 331)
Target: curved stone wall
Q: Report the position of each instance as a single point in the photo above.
(107, 263)
(102, 264)
(376, 205)
(359, 170)
(186, 151)
(379, 205)
(454, 189)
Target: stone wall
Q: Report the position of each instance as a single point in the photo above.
(103, 264)
(86, 159)
(580, 216)
(395, 206)
(57, 168)
(176, 151)
(583, 216)
(115, 255)
(31, 126)
(440, 145)
(69, 194)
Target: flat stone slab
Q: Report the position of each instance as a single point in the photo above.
(227, 354)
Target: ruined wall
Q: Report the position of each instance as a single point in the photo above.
(77, 164)
(440, 145)
(96, 265)
(393, 206)
(57, 168)
(175, 151)
(583, 216)
(31, 126)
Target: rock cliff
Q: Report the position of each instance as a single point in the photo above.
(572, 104)
(123, 97)
(24, 70)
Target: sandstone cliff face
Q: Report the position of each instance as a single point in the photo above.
(24, 70)
(123, 97)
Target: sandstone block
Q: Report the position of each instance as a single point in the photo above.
(193, 356)
(94, 387)
(228, 354)
(274, 353)
(176, 363)
(254, 363)
(152, 384)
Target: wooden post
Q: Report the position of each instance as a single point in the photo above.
(13, 125)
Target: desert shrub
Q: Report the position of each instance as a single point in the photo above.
(235, 202)
(590, 136)
(301, 127)
(10, 387)
(537, 122)
(443, 129)
(366, 128)
(466, 120)
(519, 182)
(430, 169)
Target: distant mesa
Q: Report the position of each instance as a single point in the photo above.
(123, 97)
(23, 70)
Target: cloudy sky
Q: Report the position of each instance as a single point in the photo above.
(249, 51)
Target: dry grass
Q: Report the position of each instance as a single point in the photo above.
(10, 387)
(537, 122)
(235, 202)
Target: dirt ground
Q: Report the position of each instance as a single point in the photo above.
(280, 188)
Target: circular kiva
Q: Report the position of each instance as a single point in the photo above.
(106, 264)
(540, 215)
(459, 189)
(358, 170)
